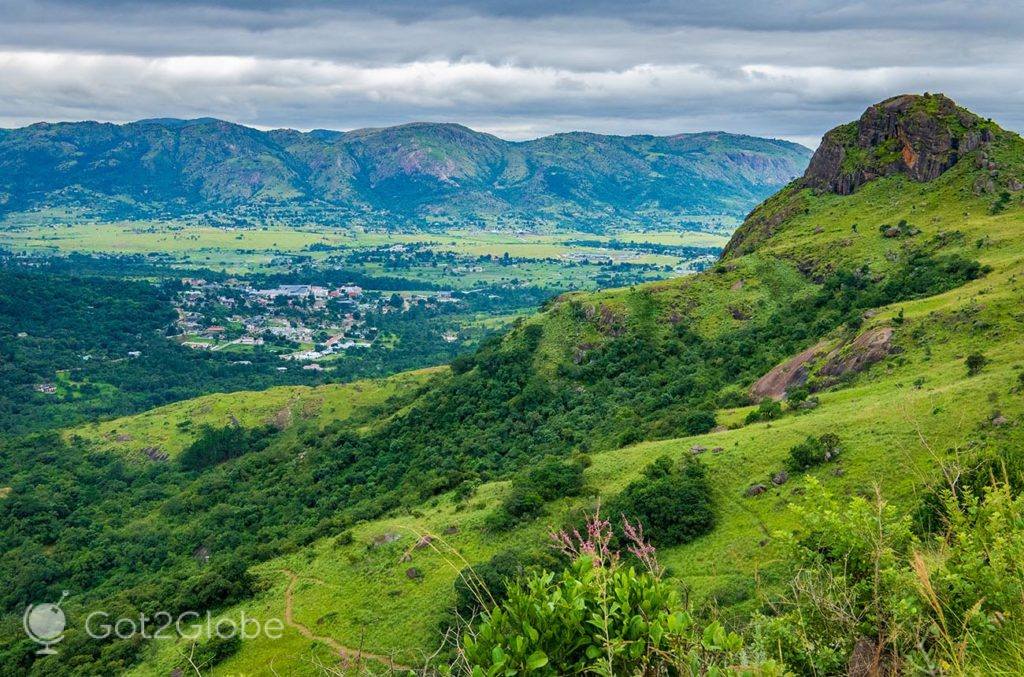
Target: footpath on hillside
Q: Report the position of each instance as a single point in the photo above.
(351, 658)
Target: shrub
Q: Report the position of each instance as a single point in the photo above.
(551, 479)
(518, 506)
(767, 410)
(698, 422)
(532, 488)
(673, 502)
(862, 576)
(975, 363)
(797, 395)
(1001, 203)
(223, 583)
(733, 396)
(599, 617)
(480, 587)
(212, 651)
(813, 452)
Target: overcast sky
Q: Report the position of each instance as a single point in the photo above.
(789, 69)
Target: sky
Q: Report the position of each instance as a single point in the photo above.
(517, 69)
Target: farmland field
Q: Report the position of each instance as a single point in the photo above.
(558, 260)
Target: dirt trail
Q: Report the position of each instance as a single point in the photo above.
(350, 657)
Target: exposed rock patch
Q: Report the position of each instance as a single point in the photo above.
(791, 373)
(609, 322)
(868, 348)
(155, 454)
(920, 136)
(756, 490)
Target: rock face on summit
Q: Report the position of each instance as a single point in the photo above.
(918, 135)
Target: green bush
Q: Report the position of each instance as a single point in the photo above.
(733, 396)
(797, 395)
(698, 422)
(674, 503)
(480, 587)
(599, 617)
(548, 480)
(947, 605)
(813, 452)
(975, 363)
(213, 651)
(767, 410)
(551, 478)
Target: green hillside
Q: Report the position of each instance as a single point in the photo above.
(898, 420)
(887, 316)
(171, 428)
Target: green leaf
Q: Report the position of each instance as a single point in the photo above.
(537, 659)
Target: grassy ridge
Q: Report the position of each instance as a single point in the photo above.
(171, 428)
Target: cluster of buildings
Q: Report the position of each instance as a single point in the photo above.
(300, 322)
(281, 315)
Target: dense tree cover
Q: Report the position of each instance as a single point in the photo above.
(68, 344)
(89, 522)
(216, 445)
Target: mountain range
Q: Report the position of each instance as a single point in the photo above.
(420, 173)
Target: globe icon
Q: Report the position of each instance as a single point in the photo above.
(47, 622)
(44, 624)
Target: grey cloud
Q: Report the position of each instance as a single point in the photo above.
(519, 69)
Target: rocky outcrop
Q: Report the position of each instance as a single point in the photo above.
(920, 136)
(852, 357)
(868, 348)
(791, 373)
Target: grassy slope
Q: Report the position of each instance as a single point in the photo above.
(892, 428)
(173, 427)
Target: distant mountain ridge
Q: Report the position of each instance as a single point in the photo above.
(417, 172)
